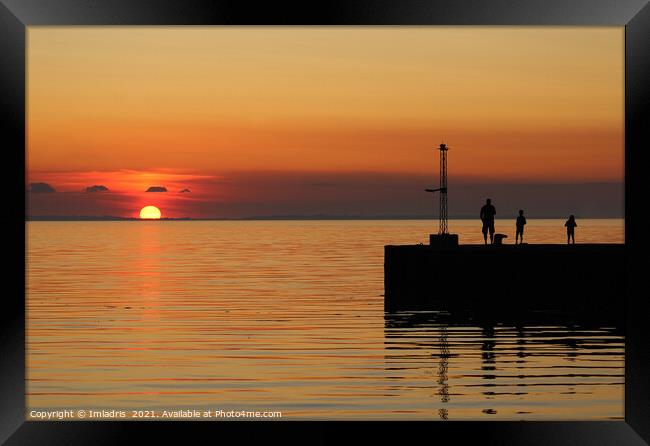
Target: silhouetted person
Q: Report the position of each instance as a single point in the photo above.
(521, 222)
(570, 229)
(487, 217)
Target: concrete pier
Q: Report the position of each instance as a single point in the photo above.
(580, 278)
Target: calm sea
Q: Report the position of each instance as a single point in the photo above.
(288, 316)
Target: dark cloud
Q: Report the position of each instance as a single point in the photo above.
(184, 191)
(157, 189)
(40, 188)
(96, 188)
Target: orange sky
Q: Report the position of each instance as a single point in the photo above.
(536, 104)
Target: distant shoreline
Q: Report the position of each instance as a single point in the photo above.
(298, 218)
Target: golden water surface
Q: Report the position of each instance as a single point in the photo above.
(288, 316)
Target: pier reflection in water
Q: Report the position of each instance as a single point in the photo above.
(491, 369)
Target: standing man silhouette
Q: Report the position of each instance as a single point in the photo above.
(487, 217)
(570, 229)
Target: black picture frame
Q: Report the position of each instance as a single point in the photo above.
(16, 15)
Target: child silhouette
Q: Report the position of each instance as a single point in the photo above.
(521, 222)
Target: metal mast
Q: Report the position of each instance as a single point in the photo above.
(443, 227)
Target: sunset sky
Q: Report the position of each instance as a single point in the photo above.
(260, 121)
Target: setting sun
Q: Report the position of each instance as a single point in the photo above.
(150, 213)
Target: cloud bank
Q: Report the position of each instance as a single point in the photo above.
(157, 189)
(97, 188)
(40, 188)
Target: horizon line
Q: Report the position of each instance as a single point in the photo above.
(294, 217)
